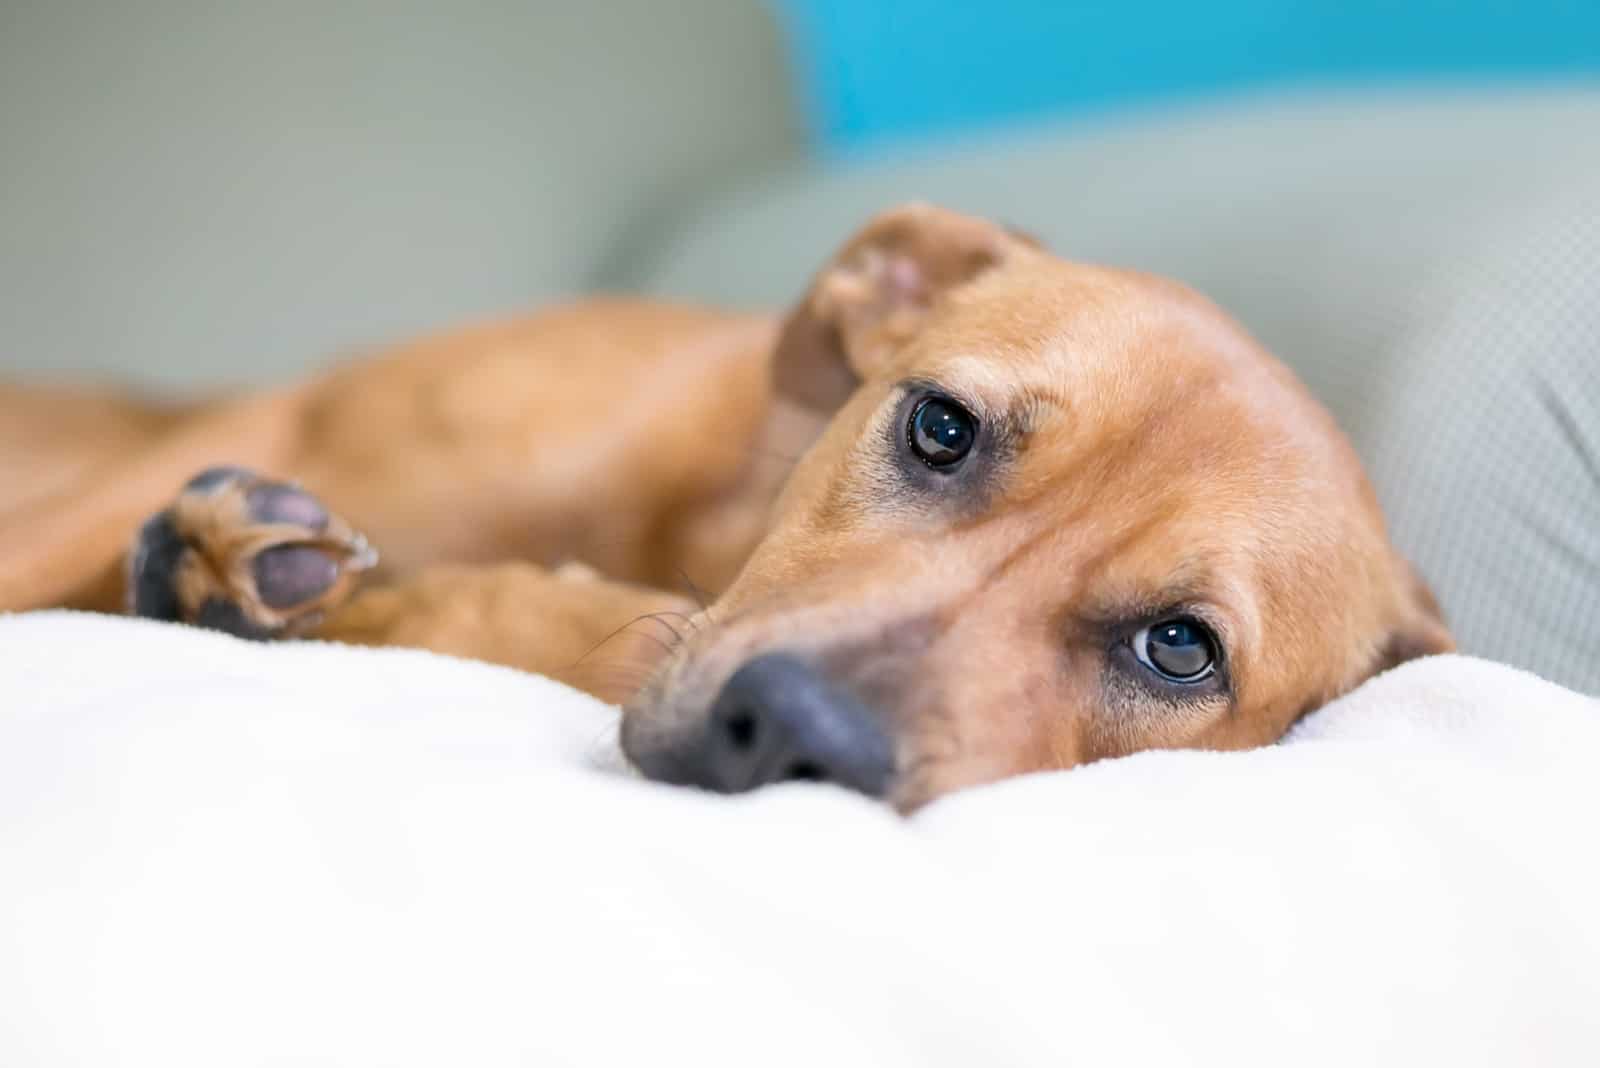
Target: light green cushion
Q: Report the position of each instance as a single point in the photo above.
(200, 193)
(1486, 436)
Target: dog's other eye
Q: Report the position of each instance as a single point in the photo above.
(1179, 650)
(941, 432)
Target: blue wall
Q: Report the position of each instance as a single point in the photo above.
(873, 70)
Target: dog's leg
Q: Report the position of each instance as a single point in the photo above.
(263, 559)
(601, 636)
(52, 437)
(66, 548)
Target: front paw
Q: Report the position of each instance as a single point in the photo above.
(243, 554)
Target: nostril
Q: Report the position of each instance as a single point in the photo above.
(778, 719)
(741, 728)
(805, 771)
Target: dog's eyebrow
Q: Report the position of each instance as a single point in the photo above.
(1115, 611)
(1034, 404)
(974, 377)
(1024, 405)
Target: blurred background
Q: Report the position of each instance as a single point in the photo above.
(1398, 196)
(196, 192)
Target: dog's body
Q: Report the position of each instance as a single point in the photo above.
(623, 433)
(641, 440)
(1029, 488)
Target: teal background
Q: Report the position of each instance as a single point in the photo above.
(877, 70)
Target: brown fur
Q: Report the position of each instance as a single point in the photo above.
(1158, 459)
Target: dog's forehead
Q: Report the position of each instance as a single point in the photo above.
(1074, 327)
(1151, 430)
(1077, 353)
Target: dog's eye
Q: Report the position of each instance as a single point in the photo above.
(941, 432)
(1179, 650)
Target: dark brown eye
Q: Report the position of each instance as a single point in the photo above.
(941, 432)
(1179, 650)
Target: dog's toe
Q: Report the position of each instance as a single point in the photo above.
(240, 553)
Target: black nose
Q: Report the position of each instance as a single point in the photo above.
(779, 720)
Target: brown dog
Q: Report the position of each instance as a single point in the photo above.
(970, 511)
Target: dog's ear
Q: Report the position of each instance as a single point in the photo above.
(1422, 631)
(875, 294)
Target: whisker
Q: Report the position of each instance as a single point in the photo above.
(613, 691)
(694, 591)
(616, 670)
(637, 619)
(656, 617)
(666, 646)
(689, 621)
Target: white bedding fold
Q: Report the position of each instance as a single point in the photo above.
(218, 853)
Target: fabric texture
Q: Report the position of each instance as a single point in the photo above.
(216, 852)
(1486, 450)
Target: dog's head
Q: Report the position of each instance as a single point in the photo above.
(1059, 513)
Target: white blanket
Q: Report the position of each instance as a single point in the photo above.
(221, 854)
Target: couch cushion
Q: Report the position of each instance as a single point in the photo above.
(1486, 442)
(202, 193)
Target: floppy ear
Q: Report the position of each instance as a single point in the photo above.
(1422, 632)
(875, 294)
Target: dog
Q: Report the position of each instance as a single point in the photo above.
(970, 510)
